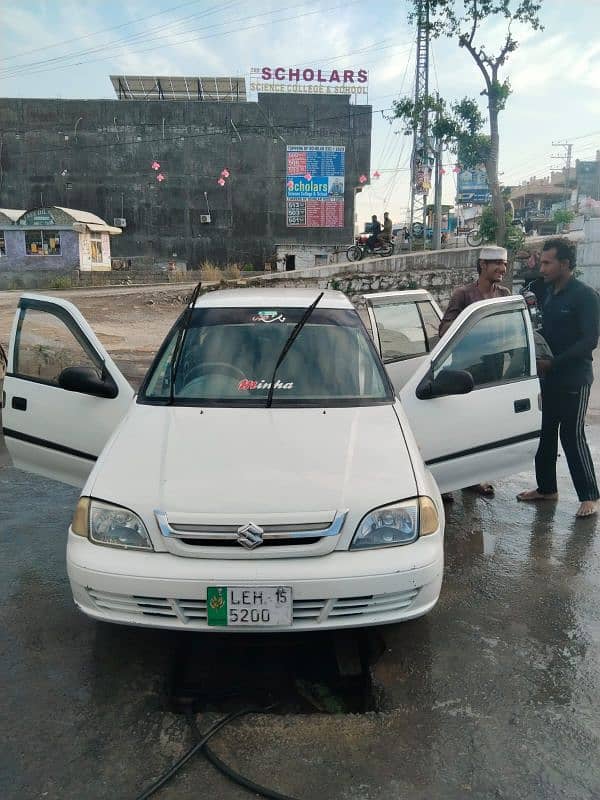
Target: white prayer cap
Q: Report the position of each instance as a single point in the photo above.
(491, 252)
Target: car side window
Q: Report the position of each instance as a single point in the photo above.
(45, 345)
(493, 350)
(431, 323)
(400, 331)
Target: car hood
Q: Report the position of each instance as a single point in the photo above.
(232, 461)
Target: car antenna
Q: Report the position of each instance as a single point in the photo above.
(290, 341)
(187, 315)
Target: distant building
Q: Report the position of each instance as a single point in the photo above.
(537, 198)
(588, 178)
(54, 238)
(190, 166)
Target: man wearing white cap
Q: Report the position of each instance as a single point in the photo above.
(492, 269)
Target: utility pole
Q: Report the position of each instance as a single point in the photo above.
(436, 243)
(566, 159)
(420, 150)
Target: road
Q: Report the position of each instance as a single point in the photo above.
(495, 694)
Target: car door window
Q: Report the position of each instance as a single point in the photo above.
(45, 345)
(494, 349)
(400, 330)
(431, 323)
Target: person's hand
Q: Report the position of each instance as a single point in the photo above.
(543, 365)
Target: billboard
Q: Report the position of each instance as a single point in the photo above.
(472, 186)
(309, 80)
(315, 184)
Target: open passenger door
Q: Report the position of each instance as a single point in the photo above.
(404, 326)
(63, 394)
(473, 401)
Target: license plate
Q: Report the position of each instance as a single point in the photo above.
(245, 606)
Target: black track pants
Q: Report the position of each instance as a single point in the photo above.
(565, 411)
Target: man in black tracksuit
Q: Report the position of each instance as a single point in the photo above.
(570, 325)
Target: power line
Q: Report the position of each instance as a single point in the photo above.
(217, 34)
(97, 33)
(142, 35)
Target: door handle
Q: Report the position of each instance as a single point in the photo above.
(522, 405)
(19, 403)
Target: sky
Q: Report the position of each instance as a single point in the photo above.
(68, 48)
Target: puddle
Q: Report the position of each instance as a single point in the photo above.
(291, 674)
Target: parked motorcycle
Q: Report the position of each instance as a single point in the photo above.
(474, 237)
(360, 250)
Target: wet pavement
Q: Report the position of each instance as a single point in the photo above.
(495, 694)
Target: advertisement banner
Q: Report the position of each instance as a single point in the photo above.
(315, 185)
(472, 186)
(310, 80)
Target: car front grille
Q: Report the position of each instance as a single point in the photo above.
(192, 612)
(265, 540)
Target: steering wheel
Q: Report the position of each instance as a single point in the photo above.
(213, 366)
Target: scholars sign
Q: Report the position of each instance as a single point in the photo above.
(309, 80)
(315, 186)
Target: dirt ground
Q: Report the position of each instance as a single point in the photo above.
(130, 322)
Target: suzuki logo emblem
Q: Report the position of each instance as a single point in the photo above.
(250, 535)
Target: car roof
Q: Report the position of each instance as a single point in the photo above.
(290, 298)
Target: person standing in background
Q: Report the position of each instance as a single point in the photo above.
(570, 326)
(491, 268)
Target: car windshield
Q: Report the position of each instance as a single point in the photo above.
(229, 354)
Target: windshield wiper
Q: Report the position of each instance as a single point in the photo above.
(178, 349)
(290, 341)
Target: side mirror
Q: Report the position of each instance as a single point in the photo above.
(448, 381)
(86, 381)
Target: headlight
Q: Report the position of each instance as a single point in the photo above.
(396, 524)
(106, 524)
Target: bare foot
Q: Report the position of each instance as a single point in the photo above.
(532, 496)
(587, 509)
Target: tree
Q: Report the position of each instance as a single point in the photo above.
(461, 125)
(562, 217)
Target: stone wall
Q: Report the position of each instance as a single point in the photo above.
(439, 272)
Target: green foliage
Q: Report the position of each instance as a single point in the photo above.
(488, 227)
(562, 216)
(515, 238)
(459, 126)
(62, 282)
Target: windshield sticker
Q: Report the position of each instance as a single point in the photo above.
(262, 384)
(268, 316)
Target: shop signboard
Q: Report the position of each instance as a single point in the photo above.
(315, 183)
(309, 80)
(472, 186)
(37, 217)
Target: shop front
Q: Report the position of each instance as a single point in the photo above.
(54, 239)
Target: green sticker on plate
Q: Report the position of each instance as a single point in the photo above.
(216, 605)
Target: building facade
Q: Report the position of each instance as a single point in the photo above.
(54, 239)
(100, 155)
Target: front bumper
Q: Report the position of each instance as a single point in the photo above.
(341, 589)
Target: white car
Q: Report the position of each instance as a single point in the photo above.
(208, 505)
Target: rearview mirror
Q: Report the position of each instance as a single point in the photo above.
(86, 381)
(448, 381)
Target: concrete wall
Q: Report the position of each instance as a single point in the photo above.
(588, 253)
(107, 147)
